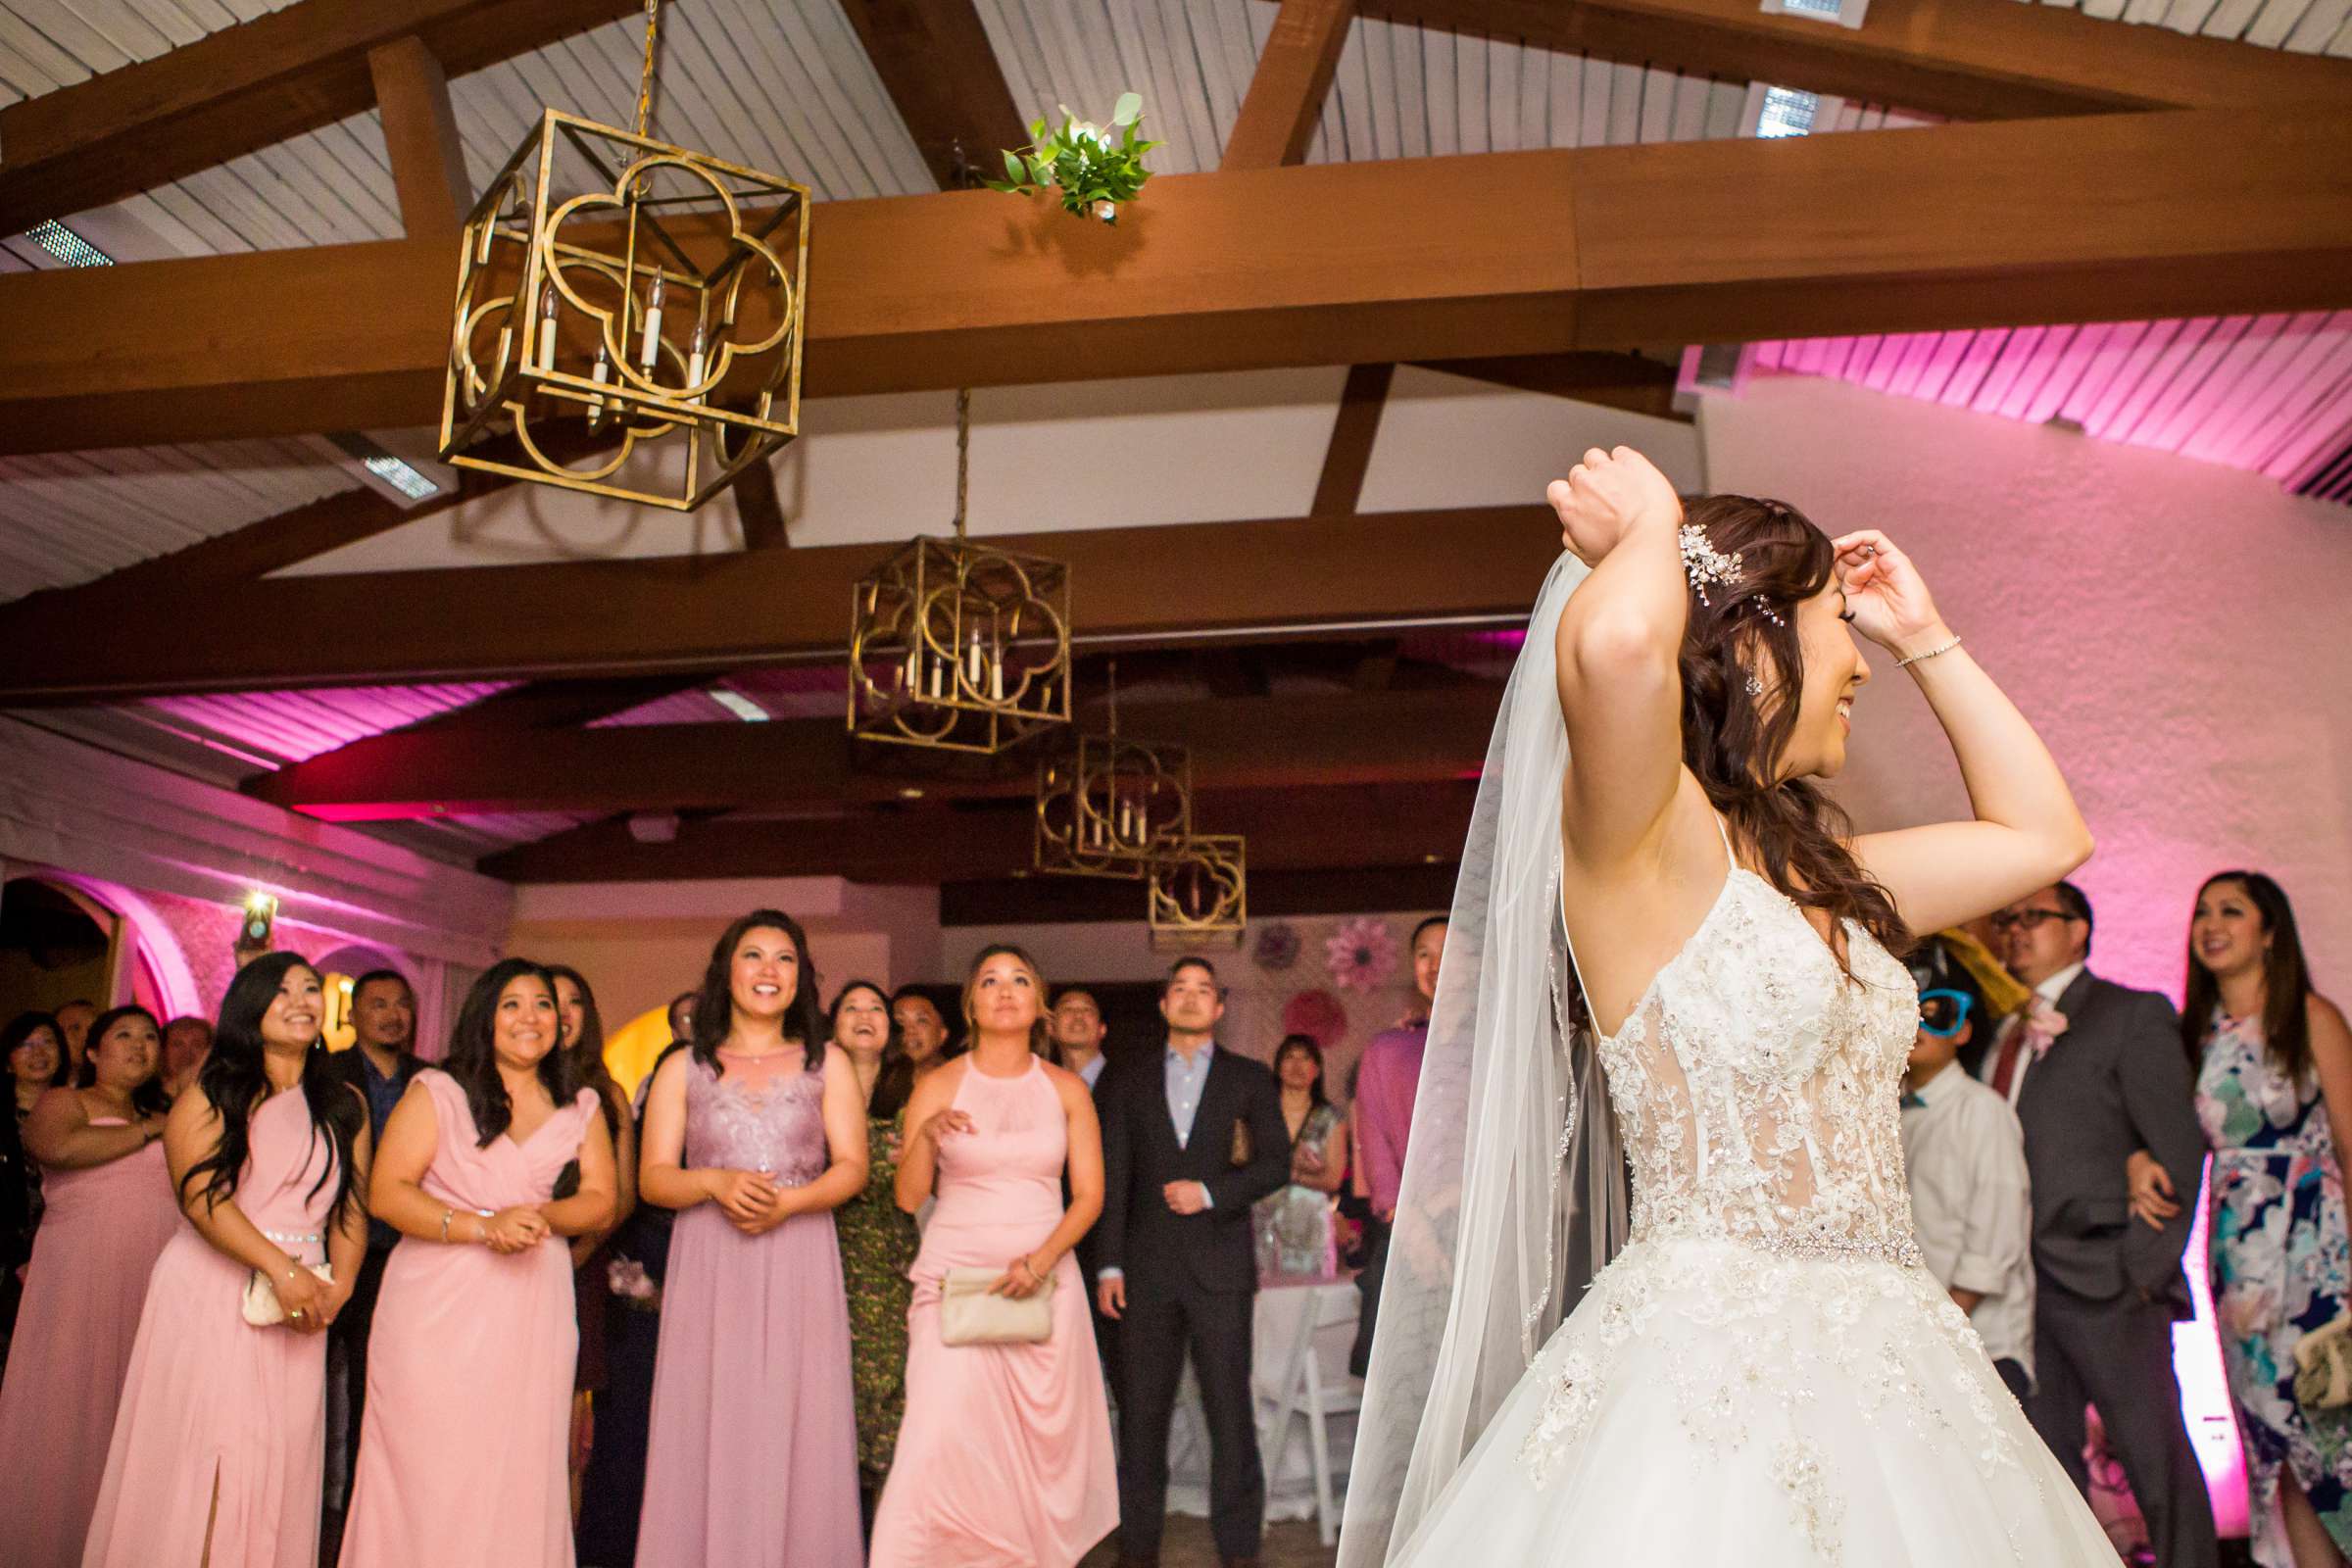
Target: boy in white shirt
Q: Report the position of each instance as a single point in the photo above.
(1966, 1157)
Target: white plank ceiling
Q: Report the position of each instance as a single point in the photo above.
(783, 85)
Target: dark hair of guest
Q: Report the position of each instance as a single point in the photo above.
(2077, 903)
(20, 1028)
(587, 1052)
(893, 1080)
(473, 1058)
(234, 1083)
(714, 1003)
(1433, 920)
(1188, 961)
(147, 1098)
(1311, 1049)
(2285, 982)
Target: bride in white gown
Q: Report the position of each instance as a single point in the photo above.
(1763, 1374)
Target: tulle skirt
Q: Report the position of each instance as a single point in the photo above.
(1710, 1402)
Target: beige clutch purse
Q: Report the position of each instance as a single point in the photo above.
(2324, 1366)
(969, 1315)
(263, 1308)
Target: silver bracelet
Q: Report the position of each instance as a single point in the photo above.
(1945, 648)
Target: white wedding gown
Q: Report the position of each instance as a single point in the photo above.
(1766, 1376)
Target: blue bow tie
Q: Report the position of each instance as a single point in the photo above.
(1911, 1100)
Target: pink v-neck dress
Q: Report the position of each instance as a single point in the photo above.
(215, 1407)
(83, 1289)
(462, 1451)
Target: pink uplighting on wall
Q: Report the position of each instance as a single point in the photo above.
(2271, 394)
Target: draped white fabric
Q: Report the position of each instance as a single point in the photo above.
(1515, 1193)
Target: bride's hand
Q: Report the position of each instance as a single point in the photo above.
(1884, 595)
(1605, 497)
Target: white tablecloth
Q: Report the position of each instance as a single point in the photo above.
(1290, 1474)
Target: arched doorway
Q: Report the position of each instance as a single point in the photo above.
(64, 938)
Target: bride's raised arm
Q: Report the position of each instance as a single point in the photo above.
(2026, 833)
(1618, 644)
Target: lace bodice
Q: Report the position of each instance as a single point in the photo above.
(1757, 1089)
(777, 1126)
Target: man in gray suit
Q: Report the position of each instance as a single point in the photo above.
(2095, 1073)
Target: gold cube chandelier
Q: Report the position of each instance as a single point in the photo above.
(1113, 807)
(957, 646)
(1200, 894)
(615, 292)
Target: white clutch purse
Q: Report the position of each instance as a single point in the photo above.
(263, 1308)
(969, 1315)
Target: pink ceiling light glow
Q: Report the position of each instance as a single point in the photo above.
(2271, 393)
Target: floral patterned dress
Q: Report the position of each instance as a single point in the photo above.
(2281, 1262)
(878, 1244)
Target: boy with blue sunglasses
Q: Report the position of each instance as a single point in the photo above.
(1966, 1157)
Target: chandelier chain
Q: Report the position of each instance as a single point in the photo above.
(645, 82)
(964, 453)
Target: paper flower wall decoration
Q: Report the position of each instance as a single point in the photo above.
(1277, 947)
(1316, 1013)
(1362, 955)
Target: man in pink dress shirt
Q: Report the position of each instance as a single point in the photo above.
(1386, 1080)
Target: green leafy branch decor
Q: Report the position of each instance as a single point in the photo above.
(1094, 172)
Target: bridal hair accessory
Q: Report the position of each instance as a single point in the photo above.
(1755, 686)
(1703, 563)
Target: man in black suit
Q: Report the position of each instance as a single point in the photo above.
(381, 1060)
(1192, 1137)
(2097, 1072)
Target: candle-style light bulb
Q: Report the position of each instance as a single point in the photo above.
(652, 323)
(546, 328)
(695, 356)
(971, 662)
(599, 373)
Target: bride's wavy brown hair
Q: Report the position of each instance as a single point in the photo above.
(1733, 740)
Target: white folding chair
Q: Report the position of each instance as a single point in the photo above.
(1304, 1394)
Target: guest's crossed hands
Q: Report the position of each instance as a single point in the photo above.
(1186, 1198)
(744, 1196)
(515, 1229)
(302, 1295)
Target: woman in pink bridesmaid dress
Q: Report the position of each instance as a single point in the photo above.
(110, 1212)
(1004, 1457)
(462, 1449)
(220, 1439)
(755, 1136)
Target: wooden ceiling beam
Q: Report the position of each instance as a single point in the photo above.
(1246, 743)
(1348, 457)
(1965, 59)
(1289, 829)
(1334, 889)
(940, 69)
(1958, 225)
(246, 88)
(2117, 216)
(1624, 381)
(420, 138)
(1279, 112)
(770, 607)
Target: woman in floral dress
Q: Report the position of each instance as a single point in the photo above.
(878, 1239)
(2275, 1097)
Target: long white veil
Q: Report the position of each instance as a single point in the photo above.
(1514, 1190)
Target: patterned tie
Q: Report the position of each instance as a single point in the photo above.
(2012, 1047)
